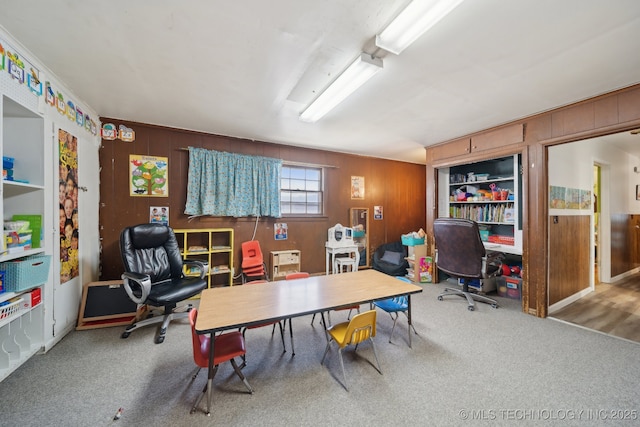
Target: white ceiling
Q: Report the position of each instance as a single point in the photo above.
(247, 68)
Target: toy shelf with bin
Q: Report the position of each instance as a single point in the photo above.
(22, 318)
(487, 192)
(284, 262)
(212, 246)
(420, 264)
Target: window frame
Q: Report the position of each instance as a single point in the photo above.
(321, 191)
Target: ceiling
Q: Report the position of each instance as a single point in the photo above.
(247, 68)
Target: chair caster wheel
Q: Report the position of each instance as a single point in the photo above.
(193, 410)
(494, 305)
(160, 340)
(471, 308)
(440, 298)
(125, 335)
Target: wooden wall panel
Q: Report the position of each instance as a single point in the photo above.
(513, 134)
(620, 244)
(629, 105)
(569, 255)
(398, 187)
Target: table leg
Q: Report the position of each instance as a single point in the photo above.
(324, 325)
(210, 374)
(326, 263)
(409, 317)
(293, 350)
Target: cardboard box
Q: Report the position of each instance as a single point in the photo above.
(32, 298)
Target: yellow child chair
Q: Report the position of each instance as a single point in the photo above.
(360, 328)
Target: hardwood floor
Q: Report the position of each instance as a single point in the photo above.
(613, 308)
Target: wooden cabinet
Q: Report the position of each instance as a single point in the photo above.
(284, 262)
(488, 192)
(513, 134)
(452, 149)
(359, 221)
(22, 318)
(214, 247)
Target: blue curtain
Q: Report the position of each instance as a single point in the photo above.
(228, 184)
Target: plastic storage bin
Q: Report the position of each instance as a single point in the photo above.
(26, 273)
(411, 241)
(509, 286)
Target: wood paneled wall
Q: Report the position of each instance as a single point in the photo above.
(398, 187)
(569, 255)
(625, 243)
(607, 114)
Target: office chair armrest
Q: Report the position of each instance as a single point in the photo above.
(137, 286)
(198, 265)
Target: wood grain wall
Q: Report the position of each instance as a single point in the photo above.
(398, 187)
(625, 243)
(569, 255)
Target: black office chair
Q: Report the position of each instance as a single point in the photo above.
(461, 254)
(154, 274)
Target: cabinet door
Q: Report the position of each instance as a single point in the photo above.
(498, 138)
(452, 149)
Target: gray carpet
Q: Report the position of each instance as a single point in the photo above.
(487, 367)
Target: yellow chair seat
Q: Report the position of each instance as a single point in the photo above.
(361, 327)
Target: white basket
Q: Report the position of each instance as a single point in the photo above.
(10, 311)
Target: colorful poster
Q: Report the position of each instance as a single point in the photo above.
(377, 212)
(148, 176)
(159, 215)
(280, 231)
(68, 197)
(357, 187)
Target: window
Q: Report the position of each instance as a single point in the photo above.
(301, 190)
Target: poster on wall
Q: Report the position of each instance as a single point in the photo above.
(159, 215)
(377, 212)
(357, 187)
(68, 197)
(280, 231)
(148, 176)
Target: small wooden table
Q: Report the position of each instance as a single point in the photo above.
(239, 306)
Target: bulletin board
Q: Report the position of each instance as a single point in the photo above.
(105, 304)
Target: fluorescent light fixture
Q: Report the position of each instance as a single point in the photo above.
(412, 22)
(356, 74)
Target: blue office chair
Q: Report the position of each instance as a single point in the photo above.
(396, 305)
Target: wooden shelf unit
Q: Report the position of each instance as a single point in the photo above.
(284, 262)
(213, 246)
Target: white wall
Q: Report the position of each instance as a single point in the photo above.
(62, 301)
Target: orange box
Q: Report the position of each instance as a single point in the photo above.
(32, 299)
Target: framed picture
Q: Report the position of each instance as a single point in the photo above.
(357, 187)
(637, 192)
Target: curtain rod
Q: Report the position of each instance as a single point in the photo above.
(310, 165)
